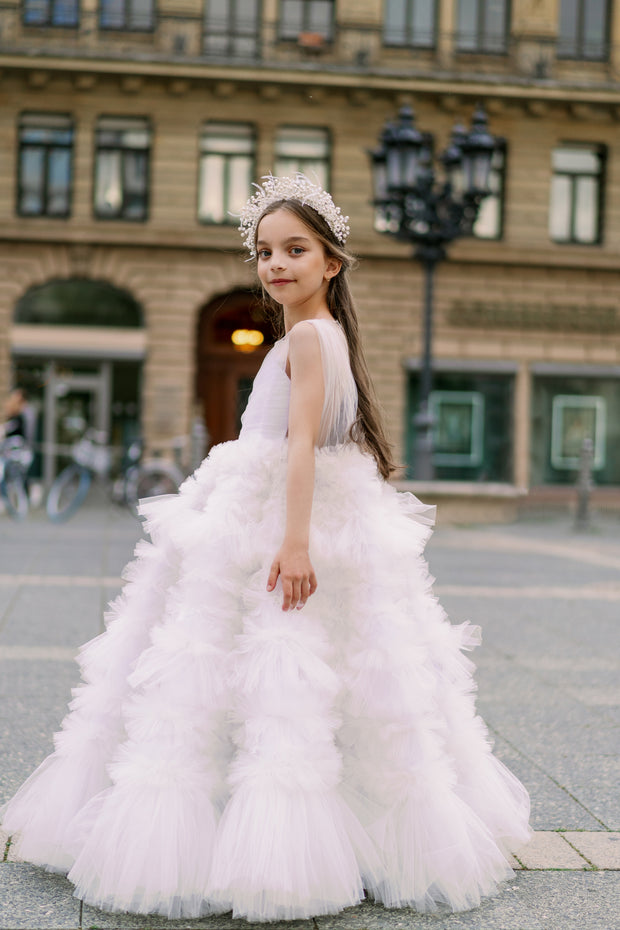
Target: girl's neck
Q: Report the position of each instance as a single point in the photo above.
(293, 316)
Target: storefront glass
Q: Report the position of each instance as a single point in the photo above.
(567, 410)
(68, 396)
(77, 347)
(473, 426)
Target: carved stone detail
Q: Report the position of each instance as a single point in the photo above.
(85, 82)
(38, 79)
(178, 87)
(131, 84)
(80, 256)
(565, 318)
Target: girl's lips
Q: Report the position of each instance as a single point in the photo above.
(281, 281)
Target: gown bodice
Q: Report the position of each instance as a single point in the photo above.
(266, 414)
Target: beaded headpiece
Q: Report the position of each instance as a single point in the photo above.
(298, 188)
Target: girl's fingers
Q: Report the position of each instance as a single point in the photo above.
(304, 593)
(296, 589)
(287, 593)
(296, 593)
(273, 575)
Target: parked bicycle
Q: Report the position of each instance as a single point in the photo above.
(92, 460)
(15, 459)
(148, 478)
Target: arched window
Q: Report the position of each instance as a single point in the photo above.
(78, 302)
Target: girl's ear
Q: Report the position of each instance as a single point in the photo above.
(332, 268)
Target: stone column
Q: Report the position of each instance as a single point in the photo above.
(533, 31)
(535, 17)
(523, 425)
(446, 31)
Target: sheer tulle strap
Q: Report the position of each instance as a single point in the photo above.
(340, 404)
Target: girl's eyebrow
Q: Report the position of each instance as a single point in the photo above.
(286, 241)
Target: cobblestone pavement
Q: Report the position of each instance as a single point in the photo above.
(548, 600)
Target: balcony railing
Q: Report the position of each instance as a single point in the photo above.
(355, 48)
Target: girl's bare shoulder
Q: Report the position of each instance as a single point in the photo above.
(303, 335)
(309, 329)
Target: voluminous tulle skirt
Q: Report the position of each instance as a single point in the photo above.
(221, 754)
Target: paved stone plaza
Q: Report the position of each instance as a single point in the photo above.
(548, 600)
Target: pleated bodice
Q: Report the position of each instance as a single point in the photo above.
(267, 411)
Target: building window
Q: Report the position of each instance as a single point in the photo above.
(483, 26)
(136, 15)
(490, 221)
(232, 27)
(226, 171)
(122, 168)
(575, 212)
(584, 29)
(409, 23)
(458, 427)
(44, 172)
(566, 410)
(300, 18)
(575, 419)
(472, 425)
(50, 13)
(303, 149)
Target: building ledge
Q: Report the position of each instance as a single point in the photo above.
(471, 502)
(484, 489)
(468, 501)
(559, 496)
(366, 243)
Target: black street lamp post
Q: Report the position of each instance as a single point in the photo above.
(412, 207)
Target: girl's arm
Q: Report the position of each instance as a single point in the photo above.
(292, 562)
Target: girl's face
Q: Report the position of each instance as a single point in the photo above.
(292, 264)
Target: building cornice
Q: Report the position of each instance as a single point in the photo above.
(445, 86)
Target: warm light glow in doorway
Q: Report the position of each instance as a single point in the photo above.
(246, 340)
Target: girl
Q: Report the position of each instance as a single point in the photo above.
(226, 753)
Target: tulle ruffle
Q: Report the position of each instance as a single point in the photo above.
(223, 755)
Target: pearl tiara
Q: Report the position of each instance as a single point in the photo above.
(298, 188)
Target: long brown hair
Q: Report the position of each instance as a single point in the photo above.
(367, 430)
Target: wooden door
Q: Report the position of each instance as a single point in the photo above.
(227, 362)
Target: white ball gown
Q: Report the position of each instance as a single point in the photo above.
(221, 754)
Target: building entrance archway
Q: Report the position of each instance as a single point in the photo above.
(234, 335)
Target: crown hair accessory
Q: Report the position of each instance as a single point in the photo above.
(298, 188)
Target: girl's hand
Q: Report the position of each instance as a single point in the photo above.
(293, 565)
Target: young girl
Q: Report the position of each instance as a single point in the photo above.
(279, 718)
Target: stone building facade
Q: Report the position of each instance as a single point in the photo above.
(131, 129)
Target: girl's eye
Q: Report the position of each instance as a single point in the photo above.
(297, 250)
(263, 253)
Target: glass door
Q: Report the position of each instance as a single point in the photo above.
(76, 397)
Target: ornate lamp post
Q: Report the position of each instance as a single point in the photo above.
(414, 208)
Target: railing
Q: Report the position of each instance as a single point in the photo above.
(356, 48)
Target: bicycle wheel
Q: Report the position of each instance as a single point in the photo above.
(129, 495)
(67, 493)
(14, 495)
(154, 480)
